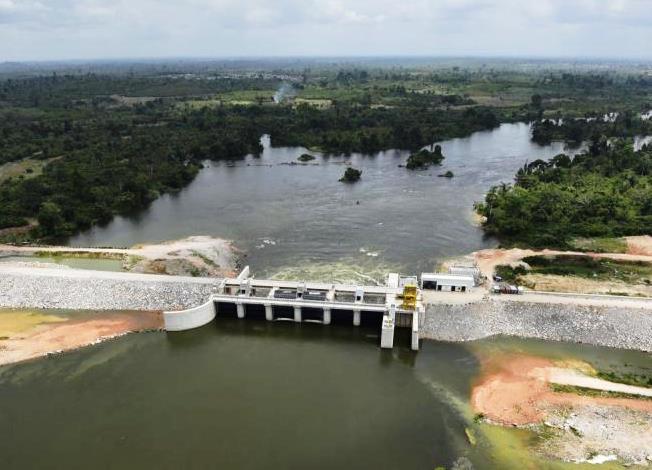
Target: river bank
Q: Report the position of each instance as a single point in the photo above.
(577, 417)
(29, 334)
(192, 256)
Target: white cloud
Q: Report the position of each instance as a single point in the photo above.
(121, 28)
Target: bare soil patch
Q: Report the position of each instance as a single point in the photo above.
(556, 283)
(640, 245)
(26, 335)
(515, 390)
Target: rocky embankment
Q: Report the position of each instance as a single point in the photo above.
(27, 287)
(618, 326)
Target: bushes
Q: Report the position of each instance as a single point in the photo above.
(424, 158)
(509, 273)
(351, 175)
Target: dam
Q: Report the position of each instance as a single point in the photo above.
(398, 304)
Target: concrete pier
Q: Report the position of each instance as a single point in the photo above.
(240, 308)
(269, 312)
(387, 332)
(297, 314)
(356, 318)
(415, 331)
(327, 316)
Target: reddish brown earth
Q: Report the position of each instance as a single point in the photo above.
(74, 333)
(514, 390)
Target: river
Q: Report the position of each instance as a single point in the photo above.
(300, 221)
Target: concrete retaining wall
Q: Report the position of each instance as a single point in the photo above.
(188, 319)
(620, 327)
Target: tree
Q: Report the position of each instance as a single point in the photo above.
(50, 218)
(351, 175)
(537, 101)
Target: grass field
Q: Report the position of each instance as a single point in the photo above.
(26, 168)
(600, 245)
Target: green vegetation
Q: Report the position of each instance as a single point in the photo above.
(351, 175)
(344, 128)
(448, 174)
(80, 254)
(628, 378)
(425, 158)
(510, 274)
(604, 192)
(590, 392)
(599, 269)
(23, 169)
(591, 268)
(306, 158)
(599, 245)
(576, 131)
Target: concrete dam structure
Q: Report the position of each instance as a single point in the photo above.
(398, 304)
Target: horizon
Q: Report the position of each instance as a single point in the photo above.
(587, 59)
(83, 30)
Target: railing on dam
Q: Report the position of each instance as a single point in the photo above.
(383, 301)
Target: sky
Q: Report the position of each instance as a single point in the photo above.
(108, 29)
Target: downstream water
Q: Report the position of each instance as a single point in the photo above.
(298, 220)
(254, 395)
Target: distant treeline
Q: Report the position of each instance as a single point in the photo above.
(348, 129)
(576, 131)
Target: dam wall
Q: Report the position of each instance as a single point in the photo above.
(609, 321)
(181, 320)
(612, 326)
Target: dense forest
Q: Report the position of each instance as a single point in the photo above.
(79, 144)
(578, 130)
(604, 192)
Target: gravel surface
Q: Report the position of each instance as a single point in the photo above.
(614, 326)
(29, 287)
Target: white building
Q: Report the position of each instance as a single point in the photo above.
(447, 282)
(472, 271)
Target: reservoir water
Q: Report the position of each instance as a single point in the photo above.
(300, 221)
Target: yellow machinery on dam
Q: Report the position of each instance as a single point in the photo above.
(409, 297)
(396, 304)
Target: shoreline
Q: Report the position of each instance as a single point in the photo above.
(198, 256)
(546, 397)
(36, 335)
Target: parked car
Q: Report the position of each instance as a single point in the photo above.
(506, 289)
